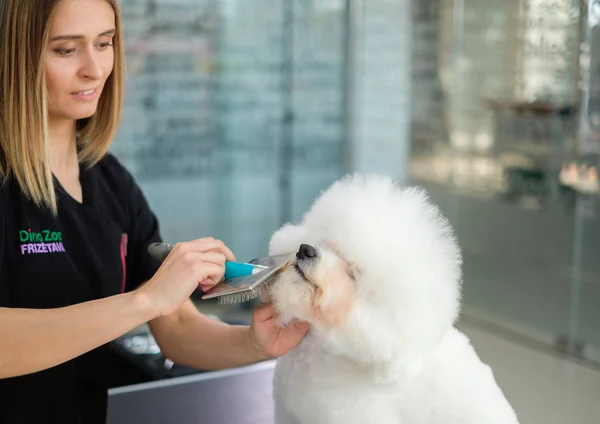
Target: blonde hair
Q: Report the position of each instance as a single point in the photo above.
(24, 35)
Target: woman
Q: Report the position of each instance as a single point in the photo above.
(75, 226)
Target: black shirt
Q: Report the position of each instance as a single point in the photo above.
(91, 250)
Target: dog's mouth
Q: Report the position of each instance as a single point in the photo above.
(300, 272)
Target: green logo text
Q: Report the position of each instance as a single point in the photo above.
(45, 236)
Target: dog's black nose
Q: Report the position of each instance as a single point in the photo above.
(306, 251)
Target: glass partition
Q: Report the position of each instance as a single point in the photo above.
(234, 112)
(168, 138)
(517, 171)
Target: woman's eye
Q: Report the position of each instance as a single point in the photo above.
(64, 52)
(104, 46)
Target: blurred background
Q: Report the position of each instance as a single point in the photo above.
(239, 112)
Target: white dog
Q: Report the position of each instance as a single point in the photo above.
(377, 274)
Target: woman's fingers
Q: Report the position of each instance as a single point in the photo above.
(265, 312)
(209, 244)
(179, 276)
(213, 258)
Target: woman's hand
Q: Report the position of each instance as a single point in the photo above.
(271, 340)
(189, 264)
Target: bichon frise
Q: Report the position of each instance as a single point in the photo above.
(377, 274)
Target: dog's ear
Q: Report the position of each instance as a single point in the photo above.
(334, 297)
(286, 239)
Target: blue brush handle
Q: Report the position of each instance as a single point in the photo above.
(238, 269)
(160, 251)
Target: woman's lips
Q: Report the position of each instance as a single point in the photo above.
(90, 94)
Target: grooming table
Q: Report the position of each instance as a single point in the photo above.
(239, 395)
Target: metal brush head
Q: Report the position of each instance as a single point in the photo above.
(230, 299)
(238, 289)
(244, 289)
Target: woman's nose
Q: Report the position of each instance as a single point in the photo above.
(91, 68)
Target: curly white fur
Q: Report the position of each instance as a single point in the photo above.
(381, 291)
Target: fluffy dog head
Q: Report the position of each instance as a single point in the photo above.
(376, 272)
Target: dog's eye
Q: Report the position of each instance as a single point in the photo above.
(352, 271)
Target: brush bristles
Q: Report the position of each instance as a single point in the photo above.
(242, 297)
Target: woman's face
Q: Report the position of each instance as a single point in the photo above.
(80, 57)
